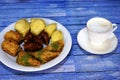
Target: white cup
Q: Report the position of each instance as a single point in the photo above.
(99, 30)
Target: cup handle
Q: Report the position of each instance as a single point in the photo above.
(114, 27)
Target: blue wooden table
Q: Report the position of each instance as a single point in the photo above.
(73, 14)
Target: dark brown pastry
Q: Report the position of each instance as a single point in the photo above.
(32, 46)
(32, 42)
(45, 37)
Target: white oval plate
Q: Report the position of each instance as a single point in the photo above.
(11, 61)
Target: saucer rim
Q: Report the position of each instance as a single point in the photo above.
(96, 52)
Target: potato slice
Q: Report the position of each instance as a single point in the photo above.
(37, 26)
(50, 28)
(22, 26)
(56, 36)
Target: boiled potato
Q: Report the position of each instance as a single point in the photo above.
(22, 26)
(50, 28)
(37, 26)
(56, 36)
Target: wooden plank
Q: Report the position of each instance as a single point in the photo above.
(109, 75)
(80, 21)
(63, 5)
(21, 1)
(113, 75)
(32, 13)
(90, 63)
(92, 4)
(91, 11)
(73, 15)
(54, 76)
(59, 12)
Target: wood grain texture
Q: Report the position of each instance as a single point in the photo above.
(108, 75)
(97, 63)
(73, 14)
(113, 75)
(57, 4)
(65, 20)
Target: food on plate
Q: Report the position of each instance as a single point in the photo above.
(25, 59)
(32, 43)
(22, 26)
(37, 26)
(31, 46)
(45, 37)
(13, 35)
(44, 56)
(56, 36)
(50, 28)
(55, 46)
(48, 53)
(11, 47)
(40, 43)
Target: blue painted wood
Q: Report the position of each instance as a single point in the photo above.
(97, 63)
(15, 1)
(109, 75)
(56, 76)
(20, 1)
(113, 75)
(92, 11)
(73, 14)
(56, 5)
(77, 22)
(59, 12)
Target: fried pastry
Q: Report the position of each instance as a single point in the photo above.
(44, 56)
(11, 47)
(13, 35)
(55, 46)
(27, 60)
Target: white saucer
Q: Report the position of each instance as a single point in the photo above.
(83, 41)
